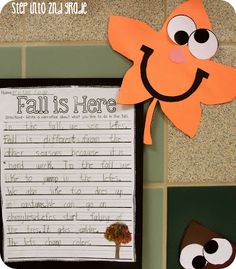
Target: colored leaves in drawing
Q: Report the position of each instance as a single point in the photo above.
(118, 233)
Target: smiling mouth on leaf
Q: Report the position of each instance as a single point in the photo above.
(200, 74)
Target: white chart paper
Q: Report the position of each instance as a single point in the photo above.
(67, 173)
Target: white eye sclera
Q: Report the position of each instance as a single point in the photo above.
(218, 251)
(180, 28)
(191, 257)
(202, 43)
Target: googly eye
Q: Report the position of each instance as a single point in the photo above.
(203, 44)
(218, 251)
(191, 257)
(180, 28)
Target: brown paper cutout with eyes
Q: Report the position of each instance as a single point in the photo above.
(202, 248)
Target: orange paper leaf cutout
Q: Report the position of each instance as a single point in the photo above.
(172, 66)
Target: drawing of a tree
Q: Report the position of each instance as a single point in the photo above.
(118, 233)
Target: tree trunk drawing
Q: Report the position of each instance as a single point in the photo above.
(117, 251)
(118, 233)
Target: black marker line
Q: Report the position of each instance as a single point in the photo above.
(67, 129)
(68, 194)
(75, 258)
(95, 181)
(86, 234)
(98, 142)
(71, 121)
(63, 207)
(70, 220)
(56, 232)
(26, 169)
(69, 155)
(67, 245)
(58, 161)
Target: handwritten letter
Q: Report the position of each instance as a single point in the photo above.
(67, 173)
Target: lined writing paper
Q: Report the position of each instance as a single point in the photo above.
(67, 173)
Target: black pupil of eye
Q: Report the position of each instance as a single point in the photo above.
(211, 247)
(199, 262)
(201, 35)
(181, 37)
